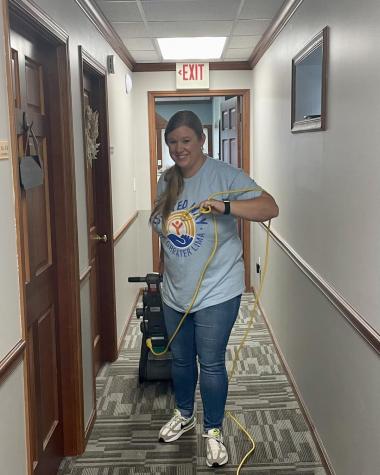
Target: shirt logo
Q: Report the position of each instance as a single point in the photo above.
(181, 229)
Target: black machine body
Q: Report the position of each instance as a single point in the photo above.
(151, 367)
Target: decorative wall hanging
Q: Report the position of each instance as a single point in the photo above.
(91, 133)
(309, 81)
(31, 169)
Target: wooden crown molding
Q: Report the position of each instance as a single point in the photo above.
(27, 9)
(217, 66)
(96, 16)
(91, 62)
(287, 10)
(359, 323)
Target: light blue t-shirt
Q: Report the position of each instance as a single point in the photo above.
(190, 240)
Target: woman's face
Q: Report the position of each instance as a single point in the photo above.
(185, 148)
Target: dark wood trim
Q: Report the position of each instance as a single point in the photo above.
(96, 16)
(245, 118)
(125, 228)
(317, 440)
(359, 323)
(230, 66)
(85, 274)
(124, 332)
(63, 176)
(153, 170)
(245, 95)
(91, 62)
(27, 9)
(286, 12)
(68, 263)
(218, 66)
(102, 209)
(210, 148)
(90, 425)
(11, 358)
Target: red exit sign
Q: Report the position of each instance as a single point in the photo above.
(192, 76)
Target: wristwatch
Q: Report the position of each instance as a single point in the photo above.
(227, 207)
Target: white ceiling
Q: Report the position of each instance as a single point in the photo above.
(140, 22)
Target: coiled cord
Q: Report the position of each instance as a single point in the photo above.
(197, 288)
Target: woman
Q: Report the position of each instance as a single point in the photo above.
(187, 239)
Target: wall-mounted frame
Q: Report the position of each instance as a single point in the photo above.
(309, 83)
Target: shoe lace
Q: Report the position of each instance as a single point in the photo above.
(215, 442)
(215, 434)
(177, 417)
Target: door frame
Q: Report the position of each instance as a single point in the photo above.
(245, 120)
(70, 388)
(103, 203)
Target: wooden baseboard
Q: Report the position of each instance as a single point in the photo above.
(90, 425)
(317, 440)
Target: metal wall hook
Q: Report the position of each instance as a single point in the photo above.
(25, 124)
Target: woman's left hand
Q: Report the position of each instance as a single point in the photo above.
(215, 206)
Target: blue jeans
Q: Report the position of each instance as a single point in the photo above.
(204, 333)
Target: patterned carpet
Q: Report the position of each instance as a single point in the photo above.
(124, 438)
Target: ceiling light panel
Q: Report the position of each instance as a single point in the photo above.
(191, 48)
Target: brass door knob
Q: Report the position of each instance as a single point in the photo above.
(100, 238)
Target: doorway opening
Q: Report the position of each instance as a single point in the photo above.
(100, 273)
(225, 116)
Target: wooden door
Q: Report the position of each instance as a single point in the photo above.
(230, 150)
(90, 100)
(39, 260)
(230, 132)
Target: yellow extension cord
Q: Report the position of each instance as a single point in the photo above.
(250, 323)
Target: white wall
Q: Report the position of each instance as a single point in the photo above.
(13, 424)
(327, 188)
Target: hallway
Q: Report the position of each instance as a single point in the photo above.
(290, 96)
(124, 438)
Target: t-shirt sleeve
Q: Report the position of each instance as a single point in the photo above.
(246, 185)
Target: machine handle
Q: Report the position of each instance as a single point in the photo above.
(153, 278)
(136, 279)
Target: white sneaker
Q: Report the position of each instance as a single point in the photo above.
(177, 426)
(216, 452)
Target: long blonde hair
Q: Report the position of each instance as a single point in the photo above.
(173, 176)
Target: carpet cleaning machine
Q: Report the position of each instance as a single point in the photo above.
(152, 367)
